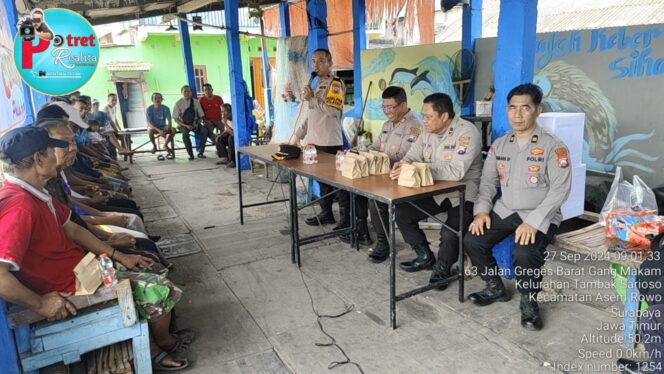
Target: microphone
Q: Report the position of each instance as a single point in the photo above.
(311, 79)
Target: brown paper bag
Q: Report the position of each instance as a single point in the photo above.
(371, 162)
(382, 162)
(350, 168)
(409, 176)
(426, 179)
(88, 275)
(362, 161)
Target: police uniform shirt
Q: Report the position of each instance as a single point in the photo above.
(396, 138)
(453, 155)
(535, 181)
(323, 123)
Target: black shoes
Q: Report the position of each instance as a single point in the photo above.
(440, 272)
(381, 251)
(494, 291)
(344, 219)
(423, 261)
(200, 155)
(362, 233)
(530, 317)
(321, 219)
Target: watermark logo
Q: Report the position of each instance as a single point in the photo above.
(56, 51)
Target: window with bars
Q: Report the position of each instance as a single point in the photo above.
(200, 75)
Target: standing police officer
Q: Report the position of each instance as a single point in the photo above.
(399, 133)
(452, 148)
(322, 128)
(532, 168)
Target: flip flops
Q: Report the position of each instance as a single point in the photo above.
(159, 359)
(161, 158)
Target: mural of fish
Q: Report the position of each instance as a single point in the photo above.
(567, 88)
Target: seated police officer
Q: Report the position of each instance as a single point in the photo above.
(532, 168)
(452, 148)
(398, 134)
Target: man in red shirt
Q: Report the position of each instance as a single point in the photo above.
(211, 105)
(40, 246)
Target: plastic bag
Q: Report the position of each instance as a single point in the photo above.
(634, 197)
(634, 227)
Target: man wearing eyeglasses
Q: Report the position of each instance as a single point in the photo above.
(532, 168)
(41, 29)
(398, 134)
(451, 146)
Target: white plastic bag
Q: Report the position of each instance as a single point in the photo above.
(634, 197)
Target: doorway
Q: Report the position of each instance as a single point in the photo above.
(257, 82)
(132, 104)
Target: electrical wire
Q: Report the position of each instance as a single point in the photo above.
(333, 341)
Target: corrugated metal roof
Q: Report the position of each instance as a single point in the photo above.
(560, 15)
(128, 66)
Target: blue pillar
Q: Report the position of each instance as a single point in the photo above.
(471, 31)
(317, 12)
(284, 16)
(515, 55)
(185, 43)
(359, 44)
(242, 137)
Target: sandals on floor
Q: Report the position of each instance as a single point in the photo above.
(157, 363)
(182, 337)
(161, 158)
(170, 156)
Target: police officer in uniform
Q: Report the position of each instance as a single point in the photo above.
(398, 134)
(452, 148)
(322, 128)
(532, 168)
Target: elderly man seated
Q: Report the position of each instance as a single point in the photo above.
(40, 246)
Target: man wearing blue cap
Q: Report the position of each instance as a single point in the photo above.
(40, 246)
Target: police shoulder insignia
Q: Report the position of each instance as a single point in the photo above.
(534, 139)
(563, 162)
(512, 138)
(561, 152)
(335, 95)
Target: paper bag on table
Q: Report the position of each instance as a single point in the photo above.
(362, 161)
(426, 179)
(371, 161)
(88, 275)
(382, 163)
(409, 176)
(350, 168)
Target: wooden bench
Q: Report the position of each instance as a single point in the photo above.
(30, 343)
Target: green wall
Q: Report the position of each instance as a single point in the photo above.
(167, 74)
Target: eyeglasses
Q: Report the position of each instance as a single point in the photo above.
(389, 108)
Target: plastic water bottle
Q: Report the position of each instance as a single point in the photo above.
(302, 196)
(107, 270)
(310, 155)
(340, 159)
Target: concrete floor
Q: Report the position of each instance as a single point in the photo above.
(253, 314)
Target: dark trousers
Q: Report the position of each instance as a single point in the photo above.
(343, 197)
(226, 147)
(125, 203)
(408, 218)
(117, 209)
(528, 259)
(652, 333)
(379, 219)
(201, 131)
